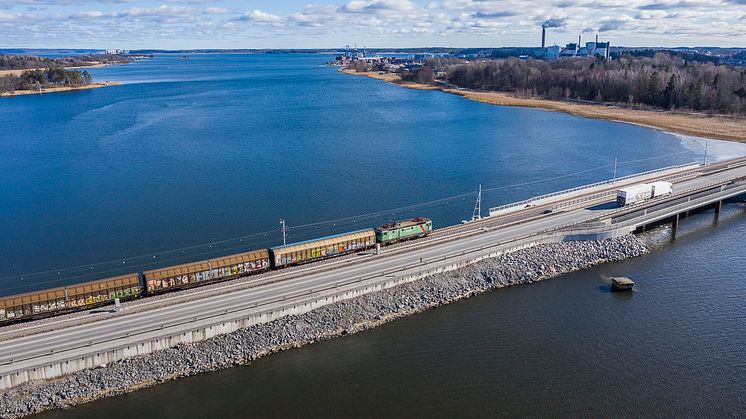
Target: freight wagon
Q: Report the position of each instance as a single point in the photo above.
(91, 294)
(404, 230)
(206, 271)
(643, 192)
(73, 297)
(312, 250)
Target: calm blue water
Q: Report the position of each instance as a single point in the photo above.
(216, 147)
(196, 151)
(567, 347)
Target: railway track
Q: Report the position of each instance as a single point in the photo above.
(592, 197)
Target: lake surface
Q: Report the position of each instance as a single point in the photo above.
(200, 157)
(197, 158)
(566, 347)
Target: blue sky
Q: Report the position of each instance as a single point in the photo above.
(173, 24)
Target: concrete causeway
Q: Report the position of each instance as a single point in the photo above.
(579, 214)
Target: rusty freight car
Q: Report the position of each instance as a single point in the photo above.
(323, 248)
(205, 271)
(69, 298)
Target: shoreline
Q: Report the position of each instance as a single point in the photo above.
(94, 85)
(715, 127)
(364, 312)
(20, 71)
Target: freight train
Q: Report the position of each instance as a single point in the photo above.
(70, 298)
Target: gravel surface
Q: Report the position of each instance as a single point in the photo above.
(345, 317)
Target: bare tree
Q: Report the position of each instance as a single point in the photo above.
(660, 80)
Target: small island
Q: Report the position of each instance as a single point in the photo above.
(26, 74)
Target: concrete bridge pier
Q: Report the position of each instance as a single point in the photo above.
(718, 207)
(675, 225)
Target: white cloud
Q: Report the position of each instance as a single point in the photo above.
(388, 22)
(262, 17)
(217, 11)
(378, 6)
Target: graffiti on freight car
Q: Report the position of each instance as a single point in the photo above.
(50, 301)
(320, 252)
(208, 275)
(73, 302)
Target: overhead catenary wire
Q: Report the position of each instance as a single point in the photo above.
(385, 212)
(150, 260)
(657, 157)
(168, 255)
(131, 258)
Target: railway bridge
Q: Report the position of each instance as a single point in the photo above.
(59, 346)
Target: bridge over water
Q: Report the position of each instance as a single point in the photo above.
(56, 347)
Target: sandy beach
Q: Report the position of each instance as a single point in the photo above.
(94, 85)
(723, 128)
(53, 89)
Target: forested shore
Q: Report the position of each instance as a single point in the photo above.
(35, 80)
(663, 91)
(27, 73)
(663, 81)
(25, 62)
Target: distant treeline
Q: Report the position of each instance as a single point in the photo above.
(35, 79)
(659, 80)
(21, 62)
(719, 56)
(433, 50)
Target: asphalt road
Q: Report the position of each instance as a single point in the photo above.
(41, 347)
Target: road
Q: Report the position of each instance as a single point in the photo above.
(27, 351)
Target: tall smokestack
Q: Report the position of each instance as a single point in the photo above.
(596, 38)
(577, 49)
(543, 36)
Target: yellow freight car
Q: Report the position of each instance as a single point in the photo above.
(323, 248)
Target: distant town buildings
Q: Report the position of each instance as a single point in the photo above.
(115, 51)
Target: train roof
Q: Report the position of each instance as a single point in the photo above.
(403, 223)
(334, 236)
(207, 264)
(70, 286)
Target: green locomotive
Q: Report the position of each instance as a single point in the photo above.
(59, 300)
(403, 230)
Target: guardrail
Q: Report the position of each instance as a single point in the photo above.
(384, 275)
(662, 213)
(663, 199)
(592, 185)
(696, 203)
(381, 276)
(507, 219)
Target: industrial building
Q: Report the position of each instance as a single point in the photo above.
(591, 49)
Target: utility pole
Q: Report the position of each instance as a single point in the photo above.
(477, 214)
(707, 146)
(615, 164)
(284, 231)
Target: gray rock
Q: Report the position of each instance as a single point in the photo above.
(341, 318)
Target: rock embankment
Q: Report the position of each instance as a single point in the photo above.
(345, 317)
